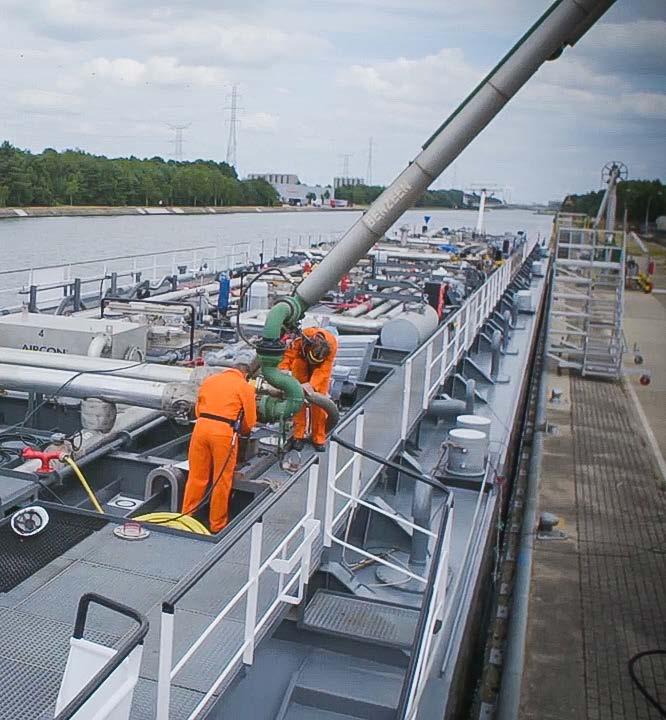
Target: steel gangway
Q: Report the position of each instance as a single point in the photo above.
(587, 300)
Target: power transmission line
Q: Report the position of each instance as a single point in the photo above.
(345, 164)
(178, 140)
(233, 109)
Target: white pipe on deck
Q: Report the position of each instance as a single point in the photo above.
(130, 391)
(82, 363)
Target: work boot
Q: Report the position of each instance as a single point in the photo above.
(319, 448)
(297, 444)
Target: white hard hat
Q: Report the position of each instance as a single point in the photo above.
(29, 521)
(246, 357)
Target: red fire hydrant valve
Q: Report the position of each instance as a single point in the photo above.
(46, 458)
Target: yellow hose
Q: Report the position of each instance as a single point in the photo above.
(84, 482)
(170, 519)
(178, 521)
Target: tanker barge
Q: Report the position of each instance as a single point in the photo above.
(348, 584)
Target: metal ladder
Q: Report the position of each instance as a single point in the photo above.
(587, 301)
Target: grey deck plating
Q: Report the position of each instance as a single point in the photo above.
(140, 574)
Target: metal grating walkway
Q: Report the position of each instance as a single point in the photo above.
(62, 533)
(366, 620)
(622, 552)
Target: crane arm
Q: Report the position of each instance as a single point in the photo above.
(564, 23)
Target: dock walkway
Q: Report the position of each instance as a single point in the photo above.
(599, 595)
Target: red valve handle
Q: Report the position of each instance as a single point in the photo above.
(45, 457)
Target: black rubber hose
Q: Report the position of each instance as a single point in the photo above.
(394, 466)
(639, 685)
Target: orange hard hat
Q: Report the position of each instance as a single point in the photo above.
(316, 348)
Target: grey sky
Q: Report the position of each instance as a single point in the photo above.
(319, 78)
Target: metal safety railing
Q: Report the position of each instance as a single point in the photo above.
(354, 497)
(434, 582)
(290, 564)
(46, 285)
(412, 386)
(348, 475)
(430, 621)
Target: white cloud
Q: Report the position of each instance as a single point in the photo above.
(637, 47)
(427, 82)
(165, 61)
(157, 70)
(72, 20)
(218, 39)
(580, 92)
(637, 35)
(261, 122)
(423, 86)
(643, 104)
(47, 102)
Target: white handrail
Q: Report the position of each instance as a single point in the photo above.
(252, 624)
(394, 516)
(435, 609)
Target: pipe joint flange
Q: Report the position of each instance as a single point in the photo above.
(179, 399)
(269, 349)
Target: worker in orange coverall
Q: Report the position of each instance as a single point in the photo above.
(226, 406)
(310, 359)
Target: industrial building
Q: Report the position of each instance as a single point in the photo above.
(294, 192)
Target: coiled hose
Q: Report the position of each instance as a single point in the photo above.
(178, 521)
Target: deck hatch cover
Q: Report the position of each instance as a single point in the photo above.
(22, 557)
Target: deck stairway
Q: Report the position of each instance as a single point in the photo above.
(587, 301)
(332, 686)
(370, 621)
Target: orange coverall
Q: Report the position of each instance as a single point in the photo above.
(213, 448)
(319, 376)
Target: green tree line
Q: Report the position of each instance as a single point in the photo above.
(74, 177)
(639, 197)
(365, 194)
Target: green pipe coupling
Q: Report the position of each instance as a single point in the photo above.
(273, 409)
(285, 313)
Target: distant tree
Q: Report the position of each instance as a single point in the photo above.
(77, 177)
(366, 194)
(639, 197)
(72, 187)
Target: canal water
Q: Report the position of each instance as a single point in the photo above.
(30, 242)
